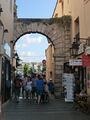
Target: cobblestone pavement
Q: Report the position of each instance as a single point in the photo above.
(55, 110)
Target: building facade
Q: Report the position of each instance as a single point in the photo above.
(50, 62)
(80, 34)
(7, 8)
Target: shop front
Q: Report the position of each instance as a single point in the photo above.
(86, 63)
(6, 75)
(6, 80)
(79, 72)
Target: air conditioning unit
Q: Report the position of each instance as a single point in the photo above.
(87, 50)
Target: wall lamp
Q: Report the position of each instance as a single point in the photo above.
(74, 49)
(85, 41)
(12, 42)
(75, 45)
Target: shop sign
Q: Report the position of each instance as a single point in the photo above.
(86, 60)
(75, 62)
(7, 49)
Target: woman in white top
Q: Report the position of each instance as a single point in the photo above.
(28, 88)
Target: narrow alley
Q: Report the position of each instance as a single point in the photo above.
(44, 55)
(28, 110)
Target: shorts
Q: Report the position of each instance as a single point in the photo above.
(28, 88)
(40, 92)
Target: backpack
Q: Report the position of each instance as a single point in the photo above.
(18, 83)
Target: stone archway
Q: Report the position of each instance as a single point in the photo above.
(58, 32)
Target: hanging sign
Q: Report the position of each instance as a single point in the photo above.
(85, 60)
(75, 62)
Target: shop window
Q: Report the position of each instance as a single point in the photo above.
(68, 1)
(60, 1)
(62, 8)
(76, 22)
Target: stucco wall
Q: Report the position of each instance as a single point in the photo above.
(7, 17)
(50, 62)
(57, 8)
(77, 8)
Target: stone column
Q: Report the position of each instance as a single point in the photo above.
(11, 61)
(59, 61)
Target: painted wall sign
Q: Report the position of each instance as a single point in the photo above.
(75, 62)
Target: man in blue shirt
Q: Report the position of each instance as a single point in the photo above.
(39, 88)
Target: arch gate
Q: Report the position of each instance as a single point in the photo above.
(58, 32)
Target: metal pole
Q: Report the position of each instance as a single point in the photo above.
(12, 78)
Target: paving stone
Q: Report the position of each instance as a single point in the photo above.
(56, 109)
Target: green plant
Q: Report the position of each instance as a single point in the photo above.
(62, 21)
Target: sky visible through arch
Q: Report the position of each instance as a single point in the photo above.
(31, 47)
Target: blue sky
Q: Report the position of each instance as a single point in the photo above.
(31, 47)
(35, 8)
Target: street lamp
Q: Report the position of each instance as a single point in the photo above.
(76, 45)
(74, 49)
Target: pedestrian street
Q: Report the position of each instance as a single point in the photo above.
(57, 109)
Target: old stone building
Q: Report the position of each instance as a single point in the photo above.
(6, 35)
(80, 29)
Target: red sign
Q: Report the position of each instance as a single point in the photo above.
(85, 60)
(44, 62)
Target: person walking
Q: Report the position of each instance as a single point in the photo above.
(46, 92)
(51, 87)
(34, 86)
(17, 85)
(24, 82)
(28, 88)
(39, 88)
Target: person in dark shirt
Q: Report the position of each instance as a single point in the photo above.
(17, 85)
(51, 87)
